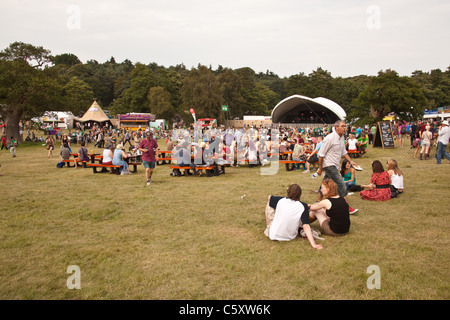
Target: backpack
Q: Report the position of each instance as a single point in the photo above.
(403, 130)
(60, 164)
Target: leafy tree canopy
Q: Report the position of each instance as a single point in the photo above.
(33, 81)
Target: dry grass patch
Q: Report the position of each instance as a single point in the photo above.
(196, 238)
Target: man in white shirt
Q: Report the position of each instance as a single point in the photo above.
(284, 217)
(330, 154)
(444, 135)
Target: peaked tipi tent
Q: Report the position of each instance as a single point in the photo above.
(94, 114)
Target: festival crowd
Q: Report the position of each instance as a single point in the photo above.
(322, 146)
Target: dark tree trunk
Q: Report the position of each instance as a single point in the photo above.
(12, 117)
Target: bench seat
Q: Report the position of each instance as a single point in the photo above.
(115, 168)
(290, 164)
(209, 170)
(70, 161)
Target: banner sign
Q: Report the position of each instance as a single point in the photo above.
(137, 117)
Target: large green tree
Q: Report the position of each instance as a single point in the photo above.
(299, 84)
(389, 92)
(202, 91)
(135, 98)
(160, 105)
(68, 59)
(27, 87)
(231, 84)
(36, 57)
(78, 95)
(435, 85)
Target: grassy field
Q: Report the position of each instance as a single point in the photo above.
(196, 238)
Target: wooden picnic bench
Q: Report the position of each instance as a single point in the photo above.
(354, 153)
(209, 170)
(162, 158)
(70, 161)
(291, 164)
(115, 168)
(94, 167)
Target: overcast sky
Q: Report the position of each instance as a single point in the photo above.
(347, 38)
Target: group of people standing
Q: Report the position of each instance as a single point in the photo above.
(423, 136)
(426, 135)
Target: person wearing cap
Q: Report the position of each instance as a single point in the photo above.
(149, 149)
(442, 140)
(118, 159)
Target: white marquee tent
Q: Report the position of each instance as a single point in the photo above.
(297, 108)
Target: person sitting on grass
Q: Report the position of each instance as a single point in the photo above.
(332, 212)
(379, 188)
(348, 173)
(285, 215)
(396, 178)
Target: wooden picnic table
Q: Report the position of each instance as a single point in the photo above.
(131, 160)
(75, 156)
(162, 158)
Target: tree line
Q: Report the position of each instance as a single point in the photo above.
(32, 81)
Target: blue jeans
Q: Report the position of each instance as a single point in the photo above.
(298, 164)
(121, 163)
(441, 152)
(333, 173)
(349, 184)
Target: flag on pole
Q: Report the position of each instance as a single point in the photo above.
(193, 114)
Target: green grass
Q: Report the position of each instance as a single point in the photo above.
(195, 238)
